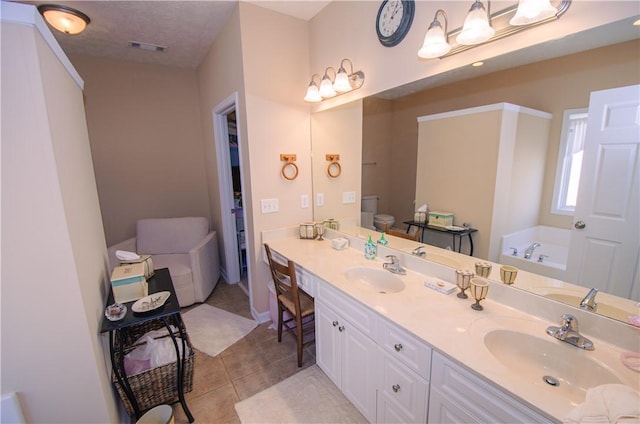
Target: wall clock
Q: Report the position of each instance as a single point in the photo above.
(394, 20)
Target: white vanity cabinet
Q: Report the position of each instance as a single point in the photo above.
(345, 349)
(404, 381)
(459, 396)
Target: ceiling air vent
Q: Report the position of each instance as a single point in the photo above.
(147, 46)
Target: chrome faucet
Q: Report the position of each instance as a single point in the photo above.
(568, 332)
(394, 266)
(418, 252)
(589, 302)
(530, 249)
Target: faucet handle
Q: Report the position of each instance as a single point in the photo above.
(393, 258)
(541, 257)
(569, 323)
(515, 251)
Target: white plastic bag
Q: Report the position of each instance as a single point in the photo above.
(153, 353)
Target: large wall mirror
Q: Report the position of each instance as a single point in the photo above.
(551, 79)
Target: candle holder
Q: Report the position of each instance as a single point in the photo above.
(478, 289)
(463, 279)
(483, 269)
(320, 230)
(508, 274)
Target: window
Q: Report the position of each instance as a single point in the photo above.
(565, 191)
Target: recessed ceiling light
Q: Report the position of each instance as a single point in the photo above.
(476, 64)
(147, 46)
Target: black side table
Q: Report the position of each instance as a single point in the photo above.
(465, 231)
(168, 314)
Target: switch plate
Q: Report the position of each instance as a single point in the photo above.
(319, 199)
(304, 201)
(269, 205)
(349, 197)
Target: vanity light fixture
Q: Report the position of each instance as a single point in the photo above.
(341, 83)
(64, 19)
(435, 41)
(481, 26)
(477, 25)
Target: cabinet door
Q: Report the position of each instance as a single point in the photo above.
(328, 342)
(359, 370)
(402, 394)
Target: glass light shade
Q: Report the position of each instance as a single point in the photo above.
(341, 84)
(435, 42)
(313, 95)
(531, 11)
(326, 87)
(476, 27)
(65, 19)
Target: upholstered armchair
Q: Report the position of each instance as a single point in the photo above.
(185, 246)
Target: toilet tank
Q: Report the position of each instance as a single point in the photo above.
(370, 204)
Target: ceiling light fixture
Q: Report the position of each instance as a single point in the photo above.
(481, 26)
(64, 19)
(341, 83)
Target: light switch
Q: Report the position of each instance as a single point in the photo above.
(319, 199)
(269, 205)
(349, 197)
(304, 201)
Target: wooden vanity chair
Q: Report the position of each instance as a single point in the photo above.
(292, 300)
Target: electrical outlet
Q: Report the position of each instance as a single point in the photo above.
(304, 201)
(349, 197)
(269, 205)
(319, 199)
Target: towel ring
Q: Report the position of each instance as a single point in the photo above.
(334, 169)
(289, 174)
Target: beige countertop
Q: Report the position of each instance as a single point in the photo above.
(448, 323)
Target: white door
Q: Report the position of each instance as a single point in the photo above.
(605, 239)
(230, 263)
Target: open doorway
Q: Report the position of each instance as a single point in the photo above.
(234, 266)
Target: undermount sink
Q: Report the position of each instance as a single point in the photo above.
(380, 280)
(603, 308)
(548, 363)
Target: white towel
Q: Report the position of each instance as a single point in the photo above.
(123, 255)
(608, 403)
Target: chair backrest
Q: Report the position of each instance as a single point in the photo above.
(415, 236)
(159, 236)
(284, 278)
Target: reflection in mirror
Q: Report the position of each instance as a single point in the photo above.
(390, 145)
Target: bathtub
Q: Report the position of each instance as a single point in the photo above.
(554, 243)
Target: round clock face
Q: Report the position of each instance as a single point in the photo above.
(394, 20)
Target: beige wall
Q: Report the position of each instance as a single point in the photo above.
(551, 86)
(146, 139)
(53, 249)
(274, 52)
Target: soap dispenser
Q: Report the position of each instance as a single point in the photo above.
(370, 249)
(383, 241)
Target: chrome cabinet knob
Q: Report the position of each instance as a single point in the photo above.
(397, 347)
(335, 323)
(341, 328)
(395, 388)
(580, 225)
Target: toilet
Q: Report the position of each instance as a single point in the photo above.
(370, 209)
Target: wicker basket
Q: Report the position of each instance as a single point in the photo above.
(158, 385)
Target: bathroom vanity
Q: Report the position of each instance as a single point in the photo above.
(403, 352)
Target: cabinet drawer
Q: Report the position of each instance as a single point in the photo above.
(358, 315)
(402, 394)
(483, 401)
(405, 347)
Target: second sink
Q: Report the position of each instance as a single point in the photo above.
(380, 280)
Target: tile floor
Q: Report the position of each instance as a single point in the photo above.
(249, 366)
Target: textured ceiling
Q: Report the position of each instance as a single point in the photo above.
(186, 28)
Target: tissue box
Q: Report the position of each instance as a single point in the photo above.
(440, 219)
(146, 261)
(339, 243)
(128, 283)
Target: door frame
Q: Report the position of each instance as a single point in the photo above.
(225, 186)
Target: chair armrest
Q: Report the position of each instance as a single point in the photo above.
(129, 245)
(205, 266)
